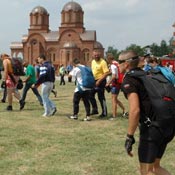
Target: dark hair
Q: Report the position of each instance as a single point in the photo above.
(42, 56)
(76, 61)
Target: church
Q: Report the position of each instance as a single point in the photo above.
(71, 40)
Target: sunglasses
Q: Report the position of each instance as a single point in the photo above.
(129, 59)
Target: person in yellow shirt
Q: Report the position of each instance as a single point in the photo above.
(100, 71)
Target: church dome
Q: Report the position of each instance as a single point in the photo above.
(98, 45)
(40, 10)
(70, 45)
(74, 6)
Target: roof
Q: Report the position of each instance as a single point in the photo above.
(72, 6)
(51, 36)
(16, 45)
(98, 45)
(40, 10)
(88, 35)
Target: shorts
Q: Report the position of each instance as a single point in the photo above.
(153, 142)
(10, 84)
(115, 90)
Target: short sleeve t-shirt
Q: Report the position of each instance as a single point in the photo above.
(30, 71)
(99, 68)
(134, 85)
(76, 72)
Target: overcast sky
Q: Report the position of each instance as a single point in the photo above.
(118, 23)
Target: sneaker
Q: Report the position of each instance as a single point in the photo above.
(9, 108)
(102, 116)
(125, 114)
(75, 117)
(94, 112)
(53, 111)
(112, 118)
(87, 118)
(45, 115)
(22, 104)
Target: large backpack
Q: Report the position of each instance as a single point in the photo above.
(17, 66)
(88, 80)
(161, 94)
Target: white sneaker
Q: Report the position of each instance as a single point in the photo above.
(75, 117)
(87, 118)
(45, 115)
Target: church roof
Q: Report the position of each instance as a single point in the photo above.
(72, 6)
(16, 45)
(98, 45)
(88, 35)
(39, 9)
(51, 36)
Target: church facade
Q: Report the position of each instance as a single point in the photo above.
(71, 40)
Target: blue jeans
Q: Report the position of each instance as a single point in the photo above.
(35, 91)
(45, 91)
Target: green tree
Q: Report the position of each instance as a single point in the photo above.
(155, 49)
(114, 51)
(136, 48)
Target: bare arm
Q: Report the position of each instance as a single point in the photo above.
(102, 78)
(134, 113)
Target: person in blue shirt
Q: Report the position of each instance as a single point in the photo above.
(46, 79)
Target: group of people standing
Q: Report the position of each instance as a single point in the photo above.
(101, 70)
(153, 140)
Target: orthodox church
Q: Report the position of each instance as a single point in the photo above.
(71, 40)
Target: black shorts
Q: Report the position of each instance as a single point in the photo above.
(153, 142)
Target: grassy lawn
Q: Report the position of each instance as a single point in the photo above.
(33, 145)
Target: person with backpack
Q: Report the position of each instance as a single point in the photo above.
(154, 135)
(29, 81)
(46, 79)
(81, 90)
(115, 84)
(156, 64)
(100, 71)
(10, 81)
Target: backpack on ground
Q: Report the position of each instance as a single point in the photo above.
(88, 80)
(161, 94)
(17, 66)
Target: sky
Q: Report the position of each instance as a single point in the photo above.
(118, 23)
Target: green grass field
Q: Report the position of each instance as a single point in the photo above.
(33, 145)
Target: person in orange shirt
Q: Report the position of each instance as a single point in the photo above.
(10, 81)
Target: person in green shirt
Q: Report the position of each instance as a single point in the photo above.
(29, 81)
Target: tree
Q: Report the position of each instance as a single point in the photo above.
(137, 49)
(114, 51)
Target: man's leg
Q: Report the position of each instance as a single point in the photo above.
(93, 102)
(146, 168)
(76, 101)
(35, 91)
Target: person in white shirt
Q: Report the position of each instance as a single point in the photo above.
(79, 94)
